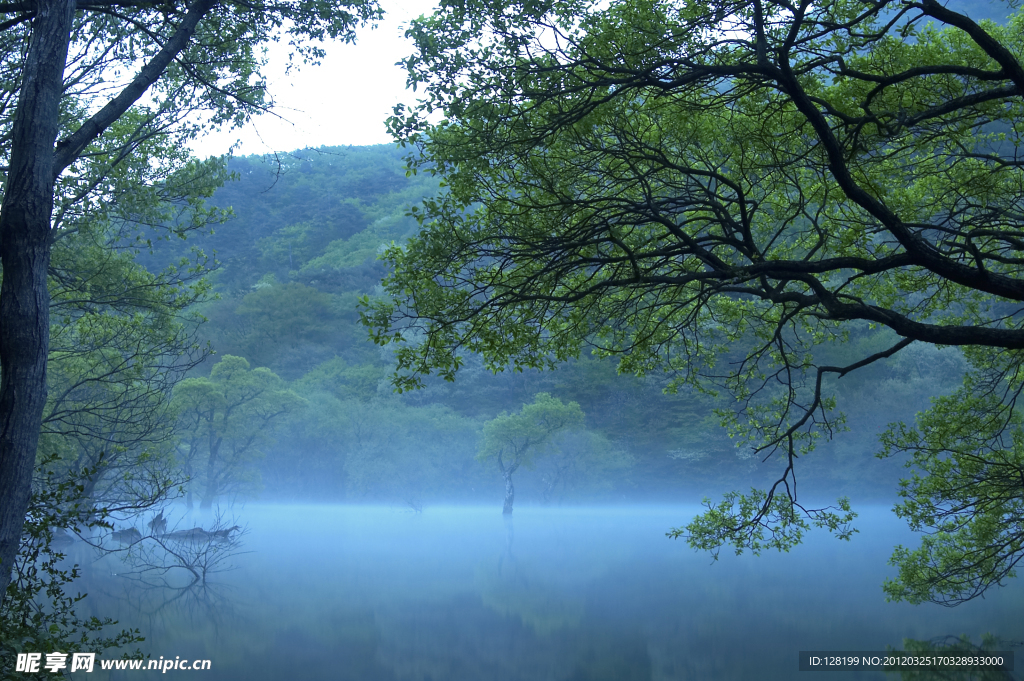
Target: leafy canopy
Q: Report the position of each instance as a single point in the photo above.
(226, 421)
(515, 439)
(722, 191)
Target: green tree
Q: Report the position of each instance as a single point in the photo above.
(100, 96)
(38, 613)
(965, 493)
(225, 421)
(120, 338)
(514, 440)
(281, 326)
(723, 191)
(579, 462)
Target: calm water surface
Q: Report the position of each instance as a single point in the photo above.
(580, 594)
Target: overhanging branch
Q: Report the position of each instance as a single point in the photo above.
(69, 149)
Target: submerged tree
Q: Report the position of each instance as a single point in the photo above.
(513, 440)
(722, 191)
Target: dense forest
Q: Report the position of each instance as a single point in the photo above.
(292, 263)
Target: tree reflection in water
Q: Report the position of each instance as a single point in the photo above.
(165, 581)
(960, 645)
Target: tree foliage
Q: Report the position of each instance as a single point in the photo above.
(404, 454)
(965, 493)
(98, 102)
(580, 461)
(39, 614)
(724, 191)
(514, 440)
(225, 422)
(120, 338)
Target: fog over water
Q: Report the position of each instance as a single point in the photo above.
(368, 593)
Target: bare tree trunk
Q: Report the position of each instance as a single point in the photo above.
(209, 495)
(25, 254)
(506, 472)
(188, 493)
(510, 493)
(212, 480)
(86, 495)
(211, 491)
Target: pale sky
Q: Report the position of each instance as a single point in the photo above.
(345, 100)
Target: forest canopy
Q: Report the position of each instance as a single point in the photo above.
(723, 192)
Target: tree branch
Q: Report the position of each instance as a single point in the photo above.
(69, 149)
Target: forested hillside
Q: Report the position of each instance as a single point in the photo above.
(292, 264)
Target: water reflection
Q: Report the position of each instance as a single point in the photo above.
(521, 590)
(454, 594)
(950, 646)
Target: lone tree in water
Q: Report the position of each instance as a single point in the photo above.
(89, 88)
(722, 191)
(514, 439)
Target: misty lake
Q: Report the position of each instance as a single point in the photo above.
(568, 594)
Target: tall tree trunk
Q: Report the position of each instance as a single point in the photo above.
(212, 479)
(25, 254)
(209, 495)
(510, 493)
(188, 476)
(88, 490)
